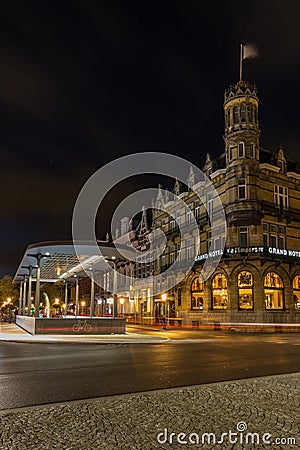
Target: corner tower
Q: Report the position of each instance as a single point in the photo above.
(241, 124)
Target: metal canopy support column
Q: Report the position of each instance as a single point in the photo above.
(38, 257)
(29, 290)
(66, 298)
(24, 294)
(115, 312)
(38, 285)
(21, 298)
(92, 305)
(77, 297)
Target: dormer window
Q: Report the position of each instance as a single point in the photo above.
(241, 150)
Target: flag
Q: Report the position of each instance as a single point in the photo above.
(249, 51)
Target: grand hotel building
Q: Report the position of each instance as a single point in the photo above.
(258, 277)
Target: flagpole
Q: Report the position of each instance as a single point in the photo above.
(241, 61)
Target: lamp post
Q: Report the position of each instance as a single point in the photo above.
(8, 300)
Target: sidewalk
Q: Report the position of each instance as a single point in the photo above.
(13, 333)
(266, 407)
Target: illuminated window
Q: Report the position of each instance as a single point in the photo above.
(296, 292)
(219, 291)
(273, 287)
(197, 295)
(245, 286)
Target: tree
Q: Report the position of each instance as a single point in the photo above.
(8, 290)
(53, 290)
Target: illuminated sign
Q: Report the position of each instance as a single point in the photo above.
(248, 250)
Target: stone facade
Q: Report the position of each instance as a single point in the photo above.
(258, 277)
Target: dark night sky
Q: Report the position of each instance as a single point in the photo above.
(82, 83)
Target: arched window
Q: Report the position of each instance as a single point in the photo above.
(245, 286)
(219, 291)
(249, 114)
(273, 287)
(197, 295)
(235, 114)
(241, 150)
(252, 150)
(243, 114)
(296, 292)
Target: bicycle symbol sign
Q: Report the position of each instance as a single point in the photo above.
(82, 325)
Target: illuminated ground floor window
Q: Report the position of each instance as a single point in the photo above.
(197, 295)
(245, 287)
(273, 291)
(219, 291)
(296, 292)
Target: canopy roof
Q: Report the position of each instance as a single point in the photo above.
(59, 260)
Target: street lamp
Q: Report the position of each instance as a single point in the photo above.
(83, 305)
(164, 298)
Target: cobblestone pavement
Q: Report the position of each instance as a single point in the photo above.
(134, 421)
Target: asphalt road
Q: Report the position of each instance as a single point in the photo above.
(32, 374)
